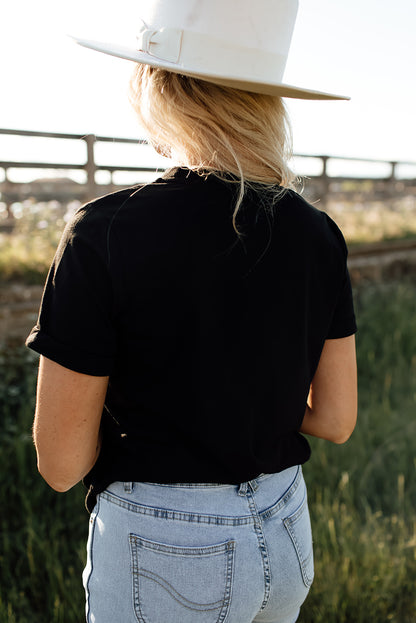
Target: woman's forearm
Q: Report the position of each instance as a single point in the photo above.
(331, 410)
(331, 429)
(67, 422)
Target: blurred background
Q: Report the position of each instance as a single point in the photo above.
(67, 134)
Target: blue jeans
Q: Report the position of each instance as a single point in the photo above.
(200, 553)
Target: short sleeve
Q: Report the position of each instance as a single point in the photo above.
(343, 321)
(75, 326)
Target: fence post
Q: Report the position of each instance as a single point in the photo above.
(9, 211)
(325, 181)
(389, 183)
(90, 167)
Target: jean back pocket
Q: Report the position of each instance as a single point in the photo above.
(187, 584)
(298, 525)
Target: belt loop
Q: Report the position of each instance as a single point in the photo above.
(254, 485)
(242, 490)
(128, 487)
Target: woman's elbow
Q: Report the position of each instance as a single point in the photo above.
(62, 465)
(343, 430)
(341, 437)
(58, 486)
(55, 478)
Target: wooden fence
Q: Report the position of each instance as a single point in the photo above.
(19, 303)
(321, 184)
(15, 191)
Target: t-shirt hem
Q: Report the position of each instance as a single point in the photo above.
(346, 332)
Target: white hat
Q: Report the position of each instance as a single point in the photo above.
(238, 43)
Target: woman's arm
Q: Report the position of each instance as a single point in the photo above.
(66, 429)
(331, 412)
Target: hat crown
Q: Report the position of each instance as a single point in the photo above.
(261, 24)
(220, 37)
(243, 44)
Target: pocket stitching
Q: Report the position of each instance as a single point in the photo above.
(227, 549)
(206, 550)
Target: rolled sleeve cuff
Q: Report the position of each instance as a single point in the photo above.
(68, 356)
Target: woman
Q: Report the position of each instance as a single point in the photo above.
(191, 330)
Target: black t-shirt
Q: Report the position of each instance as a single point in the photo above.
(210, 342)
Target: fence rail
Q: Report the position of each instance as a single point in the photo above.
(319, 185)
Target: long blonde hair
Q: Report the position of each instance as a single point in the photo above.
(218, 129)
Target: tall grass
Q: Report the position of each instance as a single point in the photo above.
(41, 533)
(26, 254)
(362, 495)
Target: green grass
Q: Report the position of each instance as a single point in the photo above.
(42, 534)
(25, 259)
(362, 495)
(26, 254)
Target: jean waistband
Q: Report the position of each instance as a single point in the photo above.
(197, 502)
(128, 486)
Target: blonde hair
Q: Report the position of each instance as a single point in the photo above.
(216, 129)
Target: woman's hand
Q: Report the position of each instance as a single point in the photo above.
(66, 429)
(331, 412)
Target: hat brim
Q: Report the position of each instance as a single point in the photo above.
(278, 89)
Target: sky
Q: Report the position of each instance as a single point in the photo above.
(362, 48)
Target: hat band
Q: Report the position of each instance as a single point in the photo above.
(164, 44)
(209, 55)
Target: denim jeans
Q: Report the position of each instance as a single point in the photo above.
(200, 553)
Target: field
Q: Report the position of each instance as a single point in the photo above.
(362, 495)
